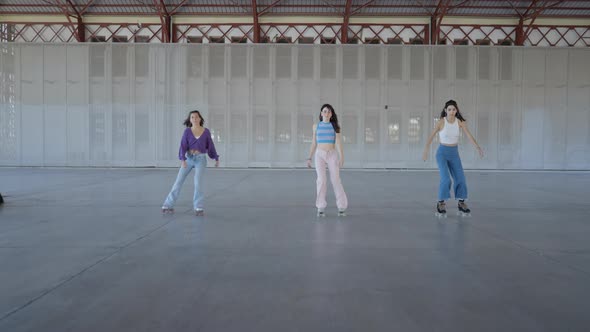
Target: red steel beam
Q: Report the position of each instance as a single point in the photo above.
(344, 30)
(86, 7)
(164, 19)
(143, 14)
(523, 34)
(64, 8)
(80, 30)
(531, 6)
(436, 20)
(520, 33)
(256, 23)
(177, 8)
(73, 8)
(418, 7)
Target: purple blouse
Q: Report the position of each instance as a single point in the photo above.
(204, 144)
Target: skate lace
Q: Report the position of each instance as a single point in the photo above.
(463, 205)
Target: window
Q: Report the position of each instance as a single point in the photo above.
(119, 56)
(484, 63)
(372, 128)
(305, 40)
(395, 41)
(120, 39)
(142, 61)
(374, 40)
(283, 128)
(239, 40)
(505, 64)
(353, 40)
(216, 40)
(415, 130)
(98, 39)
(195, 40)
(284, 40)
(482, 42)
(261, 128)
(283, 62)
(142, 39)
(505, 42)
(328, 40)
(461, 42)
(417, 41)
(394, 127)
(6, 32)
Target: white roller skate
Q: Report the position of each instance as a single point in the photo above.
(199, 212)
(321, 213)
(463, 209)
(441, 210)
(167, 210)
(341, 213)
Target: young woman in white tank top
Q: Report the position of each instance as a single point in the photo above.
(449, 128)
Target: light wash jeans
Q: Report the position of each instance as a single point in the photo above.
(449, 165)
(198, 162)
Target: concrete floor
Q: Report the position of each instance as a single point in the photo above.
(89, 250)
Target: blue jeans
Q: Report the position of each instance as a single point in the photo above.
(449, 163)
(198, 162)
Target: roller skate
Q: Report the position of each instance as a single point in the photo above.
(167, 210)
(441, 210)
(199, 212)
(341, 213)
(463, 209)
(321, 213)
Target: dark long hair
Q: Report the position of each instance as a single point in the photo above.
(458, 115)
(187, 122)
(333, 119)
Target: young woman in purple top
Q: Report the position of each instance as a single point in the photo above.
(196, 143)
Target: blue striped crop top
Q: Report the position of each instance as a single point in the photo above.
(325, 133)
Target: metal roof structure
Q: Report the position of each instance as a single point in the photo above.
(524, 14)
(340, 8)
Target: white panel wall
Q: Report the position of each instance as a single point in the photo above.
(124, 104)
(9, 115)
(31, 106)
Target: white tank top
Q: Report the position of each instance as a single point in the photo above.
(450, 133)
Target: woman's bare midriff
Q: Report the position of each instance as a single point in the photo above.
(194, 151)
(449, 144)
(326, 146)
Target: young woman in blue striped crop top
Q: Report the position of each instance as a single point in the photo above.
(326, 145)
(447, 157)
(196, 143)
